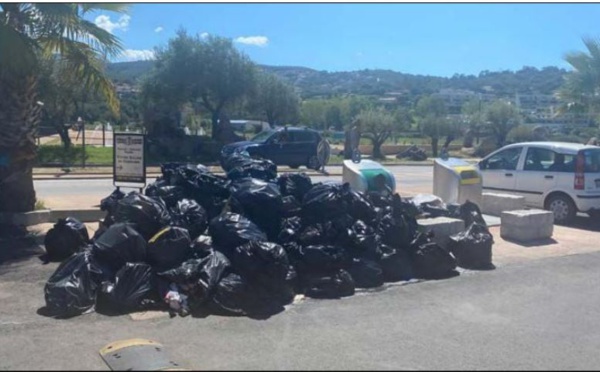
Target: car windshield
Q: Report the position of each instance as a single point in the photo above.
(262, 136)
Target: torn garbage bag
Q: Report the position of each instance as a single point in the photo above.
(169, 248)
(68, 236)
(71, 290)
(473, 247)
(199, 276)
(120, 244)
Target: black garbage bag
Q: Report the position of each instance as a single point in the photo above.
(202, 246)
(290, 229)
(72, 289)
(395, 231)
(325, 202)
(68, 236)
(321, 258)
(233, 295)
(169, 194)
(110, 203)
(191, 216)
(366, 273)
(247, 167)
(290, 207)
(231, 230)
(169, 248)
(294, 184)
(380, 200)
(210, 191)
(261, 263)
(403, 208)
(396, 264)
(134, 286)
(149, 215)
(120, 244)
(260, 201)
(334, 284)
(473, 247)
(199, 276)
(235, 160)
(430, 261)
(470, 213)
(361, 208)
(364, 242)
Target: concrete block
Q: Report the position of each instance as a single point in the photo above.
(28, 218)
(442, 228)
(494, 204)
(527, 225)
(83, 215)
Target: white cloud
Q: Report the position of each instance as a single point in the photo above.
(158, 29)
(103, 21)
(204, 35)
(136, 55)
(260, 41)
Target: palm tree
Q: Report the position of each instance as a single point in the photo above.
(29, 34)
(580, 92)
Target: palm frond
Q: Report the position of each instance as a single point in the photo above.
(109, 7)
(22, 56)
(88, 67)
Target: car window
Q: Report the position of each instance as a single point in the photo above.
(262, 136)
(303, 136)
(592, 161)
(506, 159)
(539, 159)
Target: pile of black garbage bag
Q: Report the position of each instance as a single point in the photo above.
(245, 244)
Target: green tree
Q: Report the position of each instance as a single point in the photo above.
(276, 100)
(29, 34)
(580, 92)
(501, 117)
(208, 70)
(431, 112)
(375, 124)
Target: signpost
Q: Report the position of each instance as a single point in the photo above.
(129, 164)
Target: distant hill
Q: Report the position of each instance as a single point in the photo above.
(311, 83)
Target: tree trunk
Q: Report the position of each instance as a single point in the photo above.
(215, 124)
(19, 115)
(434, 147)
(63, 132)
(377, 154)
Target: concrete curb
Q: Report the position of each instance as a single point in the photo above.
(51, 216)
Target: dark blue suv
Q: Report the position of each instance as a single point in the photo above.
(289, 146)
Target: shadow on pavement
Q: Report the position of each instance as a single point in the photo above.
(19, 247)
(585, 223)
(533, 244)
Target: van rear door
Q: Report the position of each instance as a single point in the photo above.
(587, 174)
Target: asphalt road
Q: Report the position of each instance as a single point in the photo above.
(409, 180)
(542, 314)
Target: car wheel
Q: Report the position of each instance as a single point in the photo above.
(313, 163)
(294, 166)
(563, 208)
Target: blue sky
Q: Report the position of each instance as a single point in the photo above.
(427, 39)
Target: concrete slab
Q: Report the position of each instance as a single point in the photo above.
(442, 228)
(527, 225)
(494, 203)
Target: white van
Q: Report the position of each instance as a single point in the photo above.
(558, 176)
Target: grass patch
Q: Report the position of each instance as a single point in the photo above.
(39, 205)
(48, 155)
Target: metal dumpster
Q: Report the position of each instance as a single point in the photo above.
(367, 175)
(456, 181)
